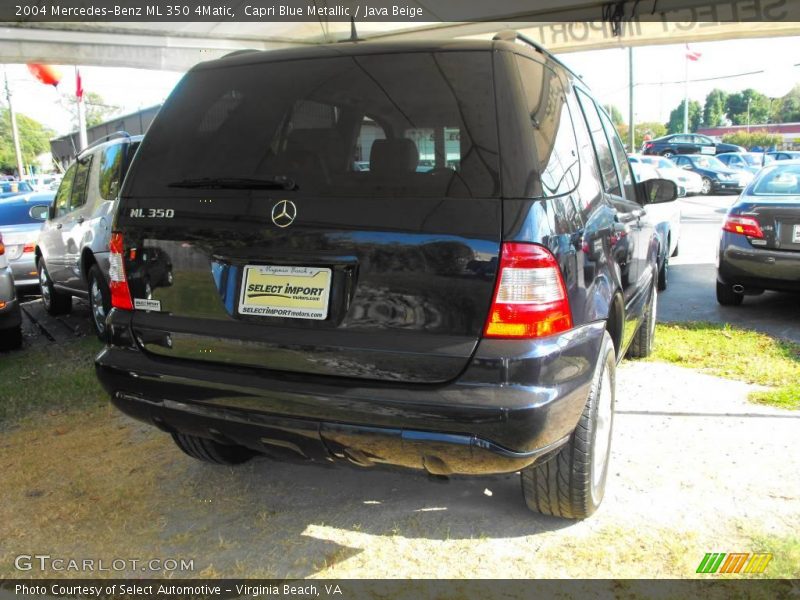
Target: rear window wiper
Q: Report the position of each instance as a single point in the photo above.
(279, 182)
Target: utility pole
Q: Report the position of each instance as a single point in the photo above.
(14, 130)
(632, 127)
(686, 98)
(748, 114)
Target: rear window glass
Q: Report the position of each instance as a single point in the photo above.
(779, 181)
(416, 124)
(15, 187)
(22, 213)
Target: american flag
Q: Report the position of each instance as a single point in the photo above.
(692, 55)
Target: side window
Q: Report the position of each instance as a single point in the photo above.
(111, 171)
(681, 139)
(620, 156)
(551, 127)
(79, 184)
(65, 191)
(601, 147)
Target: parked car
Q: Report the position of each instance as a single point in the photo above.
(10, 313)
(21, 219)
(465, 320)
(759, 246)
(776, 155)
(43, 183)
(742, 161)
(72, 253)
(14, 188)
(665, 217)
(716, 176)
(667, 169)
(687, 143)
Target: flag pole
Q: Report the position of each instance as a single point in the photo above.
(82, 137)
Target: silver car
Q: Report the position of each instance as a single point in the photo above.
(21, 219)
(72, 254)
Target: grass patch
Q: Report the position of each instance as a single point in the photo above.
(52, 378)
(737, 354)
(785, 563)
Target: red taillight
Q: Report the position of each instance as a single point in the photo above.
(530, 299)
(743, 225)
(648, 145)
(28, 248)
(118, 283)
(2, 247)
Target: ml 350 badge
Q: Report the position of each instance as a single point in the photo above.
(283, 291)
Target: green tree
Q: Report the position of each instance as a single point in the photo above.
(759, 111)
(615, 114)
(675, 124)
(97, 110)
(34, 139)
(655, 130)
(787, 108)
(715, 110)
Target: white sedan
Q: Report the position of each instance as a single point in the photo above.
(667, 169)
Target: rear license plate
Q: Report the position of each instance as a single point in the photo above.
(288, 292)
(796, 235)
(707, 150)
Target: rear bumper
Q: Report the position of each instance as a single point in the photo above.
(741, 263)
(24, 269)
(515, 403)
(10, 314)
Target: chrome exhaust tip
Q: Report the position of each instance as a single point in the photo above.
(739, 289)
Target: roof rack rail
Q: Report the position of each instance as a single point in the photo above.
(105, 138)
(511, 35)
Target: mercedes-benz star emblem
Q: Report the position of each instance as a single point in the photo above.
(283, 213)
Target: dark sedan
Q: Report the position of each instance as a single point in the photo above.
(776, 155)
(759, 247)
(717, 177)
(687, 143)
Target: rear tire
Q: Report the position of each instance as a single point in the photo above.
(727, 297)
(99, 301)
(210, 451)
(571, 485)
(667, 154)
(642, 344)
(11, 339)
(55, 302)
(677, 248)
(663, 275)
(706, 189)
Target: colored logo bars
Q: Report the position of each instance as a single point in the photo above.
(743, 562)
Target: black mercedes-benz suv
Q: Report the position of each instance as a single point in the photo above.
(428, 255)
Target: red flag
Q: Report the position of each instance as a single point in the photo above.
(692, 54)
(78, 86)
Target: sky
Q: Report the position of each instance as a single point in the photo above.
(605, 71)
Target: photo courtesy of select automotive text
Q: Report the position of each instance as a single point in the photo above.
(399, 299)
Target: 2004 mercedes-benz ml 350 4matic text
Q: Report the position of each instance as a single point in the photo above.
(424, 255)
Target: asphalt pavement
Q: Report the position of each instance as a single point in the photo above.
(691, 296)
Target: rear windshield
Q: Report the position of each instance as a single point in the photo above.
(778, 181)
(15, 187)
(20, 214)
(417, 124)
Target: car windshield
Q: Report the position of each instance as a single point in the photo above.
(781, 180)
(662, 163)
(708, 162)
(753, 160)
